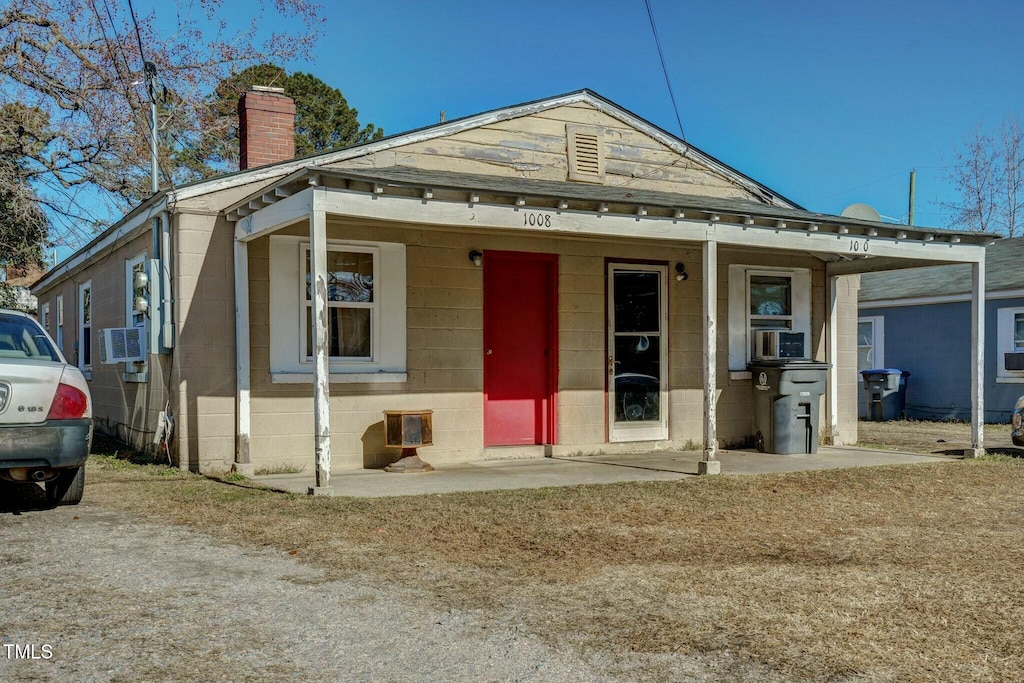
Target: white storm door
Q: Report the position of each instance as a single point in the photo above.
(637, 352)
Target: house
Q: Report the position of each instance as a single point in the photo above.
(919, 320)
(559, 276)
(18, 280)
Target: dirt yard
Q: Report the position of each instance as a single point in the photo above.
(908, 573)
(938, 438)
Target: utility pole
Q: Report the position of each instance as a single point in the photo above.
(913, 190)
(150, 69)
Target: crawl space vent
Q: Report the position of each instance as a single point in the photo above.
(586, 154)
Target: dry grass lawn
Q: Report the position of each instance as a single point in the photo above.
(896, 573)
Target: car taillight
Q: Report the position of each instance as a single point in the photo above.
(69, 403)
(1017, 420)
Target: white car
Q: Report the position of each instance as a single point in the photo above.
(45, 412)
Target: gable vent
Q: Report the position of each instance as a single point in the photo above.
(586, 154)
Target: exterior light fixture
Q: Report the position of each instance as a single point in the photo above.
(476, 257)
(681, 273)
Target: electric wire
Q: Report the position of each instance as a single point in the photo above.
(664, 68)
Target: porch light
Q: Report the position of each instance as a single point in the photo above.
(681, 273)
(476, 257)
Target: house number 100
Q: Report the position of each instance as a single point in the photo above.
(859, 245)
(537, 219)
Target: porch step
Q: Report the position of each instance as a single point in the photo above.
(515, 452)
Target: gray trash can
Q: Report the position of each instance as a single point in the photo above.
(886, 393)
(787, 396)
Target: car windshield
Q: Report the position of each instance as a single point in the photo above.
(21, 337)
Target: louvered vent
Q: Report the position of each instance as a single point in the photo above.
(586, 154)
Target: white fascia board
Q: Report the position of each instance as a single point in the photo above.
(290, 210)
(127, 229)
(571, 222)
(944, 299)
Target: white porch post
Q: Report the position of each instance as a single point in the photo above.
(242, 464)
(977, 360)
(832, 355)
(708, 463)
(321, 371)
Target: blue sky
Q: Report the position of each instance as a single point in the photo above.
(828, 103)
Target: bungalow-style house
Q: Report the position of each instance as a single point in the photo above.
(919, 321)
(554, 277)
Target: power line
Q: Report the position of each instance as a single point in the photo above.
(664, 69)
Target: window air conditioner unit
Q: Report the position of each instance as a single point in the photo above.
(122, 345)
(773, 344)
(1013, 361)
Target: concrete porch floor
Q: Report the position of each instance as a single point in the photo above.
(573, 471)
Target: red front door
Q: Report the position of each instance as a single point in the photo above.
(520, 358)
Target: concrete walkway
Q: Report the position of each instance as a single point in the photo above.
(597, 469)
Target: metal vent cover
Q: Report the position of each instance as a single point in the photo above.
(586, 153)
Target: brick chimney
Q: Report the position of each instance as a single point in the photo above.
(266, 127)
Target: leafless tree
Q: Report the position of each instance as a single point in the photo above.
(988, 173)
(74, 69)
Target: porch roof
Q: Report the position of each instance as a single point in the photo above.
(731, 221)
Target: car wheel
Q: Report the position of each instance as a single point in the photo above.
(759, 441)
(67, 488)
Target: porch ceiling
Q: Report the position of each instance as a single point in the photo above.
(851, 245)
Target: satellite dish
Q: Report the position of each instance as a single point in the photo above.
(861, 212)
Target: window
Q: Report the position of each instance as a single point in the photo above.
(1009, 343)
(870, 343)
(59, 305)
(85, 326)
(134, 317)
(351, 305)
(766, 299)
(44, 316)
(366, 311)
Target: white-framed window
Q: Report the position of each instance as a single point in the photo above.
(133, 317)
(44, 316)
(870, 343)
(366, 311)
(763, 298)
(353, 310)
(85, 326)
(1010, 340)
(59, 315)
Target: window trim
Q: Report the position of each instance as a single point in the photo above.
(1005, 320)
(84, 329)
(58, 316)
(739, 310)
(285, 334)
(374, 305)
(44, 316)
(877, 342)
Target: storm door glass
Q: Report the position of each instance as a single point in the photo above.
(637, 352)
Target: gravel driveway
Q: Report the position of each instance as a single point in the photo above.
(114, 599)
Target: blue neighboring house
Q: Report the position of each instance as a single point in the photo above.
(919, 320)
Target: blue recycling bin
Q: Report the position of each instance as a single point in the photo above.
(886, 393)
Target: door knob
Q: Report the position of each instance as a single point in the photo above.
(489, 352)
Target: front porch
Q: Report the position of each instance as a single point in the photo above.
(493, 475)
(413, 231)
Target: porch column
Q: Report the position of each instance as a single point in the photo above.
(321, 370)
(977, 360)
(832, 356)
(708, 463)
(242, 463)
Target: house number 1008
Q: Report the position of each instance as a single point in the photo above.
(537, 219)
(859, 245)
